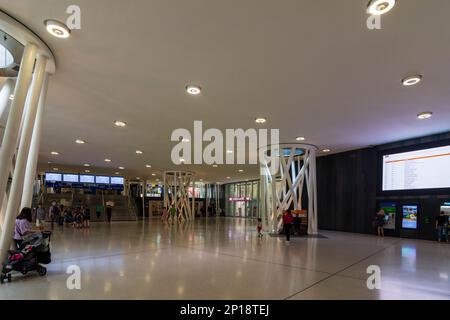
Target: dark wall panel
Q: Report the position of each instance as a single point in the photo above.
(347, 185)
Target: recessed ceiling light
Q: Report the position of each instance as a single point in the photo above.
(79, 141)
(411, 80)
(379, 7)
(86, 165)
(139, 152)
(153, 174)
(87, 171)
(215, 165)
(57, 28)
(193, 90)
(241, 170)
(121, 168)
(157, 180)
(425, 115)
(326, 150)
(49, 162)
(117, 172)
(120, 124)
(300, 138)
(55, 169)
(228, 178)
(108, 160)
(261, 120)
(148, 166)
(229, 151)
(201, 180)
(11, 97)
(137, 178)
(54, 153)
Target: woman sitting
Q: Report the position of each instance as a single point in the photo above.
(23, 226)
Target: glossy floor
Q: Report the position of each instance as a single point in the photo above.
(224, 259)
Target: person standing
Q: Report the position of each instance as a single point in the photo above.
(86, 216)
(259, 228)
(442, 226)
(40, 216)
(165, 215)
(98, 211)
(287, 224)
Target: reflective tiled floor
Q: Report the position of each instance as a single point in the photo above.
(224, 259)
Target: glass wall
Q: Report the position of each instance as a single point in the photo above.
(241, 199)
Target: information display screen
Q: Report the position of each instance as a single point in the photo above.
(87, 178)
(446, 208)
(117, 180)
(409, 218)
(390, 209)
(420, 169)
(51, 176)
(67, 177)
(102, 180)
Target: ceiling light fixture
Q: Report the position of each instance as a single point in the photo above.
(260, 120)
(117, 173)
(229, 151)
(55, 169)
(241, 170)
(215, 165)
(326, 150)
(54, 153)
(86, 165)
(424, 115)
(121, 168)
(300, 138)
(120, 124)
(411, 80)
(148, 166)
(108, 160)
(228, 178)
(79, 141)
(379, 7)
(193, 90)
(57, 29)
(153, 174)
(139, 152)
(87, 171)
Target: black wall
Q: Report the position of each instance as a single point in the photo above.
(348, 191)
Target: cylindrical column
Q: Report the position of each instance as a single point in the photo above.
(15, 116)
(33, 155)
(22, 155)
(5, 93)
(193, 198)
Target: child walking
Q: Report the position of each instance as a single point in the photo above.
(259, 228)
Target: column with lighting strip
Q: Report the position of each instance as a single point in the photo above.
(6, 96)
(15, 116)
(31, 168)
(15, 194)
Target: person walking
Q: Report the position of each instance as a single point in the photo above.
(40, 216)
(108, 212)
(442, 226)
(54, 213)
(165, 215)
(287, 224)
(380, 221)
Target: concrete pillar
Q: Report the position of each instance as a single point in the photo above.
(30, 173)
(15, 116)
(15, 193)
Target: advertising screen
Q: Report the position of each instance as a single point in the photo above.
(67, 177)
(390, 208)
(102, 180)
(446, 208)
(87, 178)
(409, 217)
(50, 176)
(420, 169)
(117, 180)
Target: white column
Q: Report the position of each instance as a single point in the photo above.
(30, 173)
(15, 116)
(15, 193)
(193, 198)
(5, 93)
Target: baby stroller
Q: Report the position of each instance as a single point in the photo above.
(34, 251)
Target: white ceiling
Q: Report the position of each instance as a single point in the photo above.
(310, 66)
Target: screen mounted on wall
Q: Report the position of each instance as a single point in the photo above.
(415, 170)
(409, 217)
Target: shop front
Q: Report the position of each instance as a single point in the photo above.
(241, 199)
